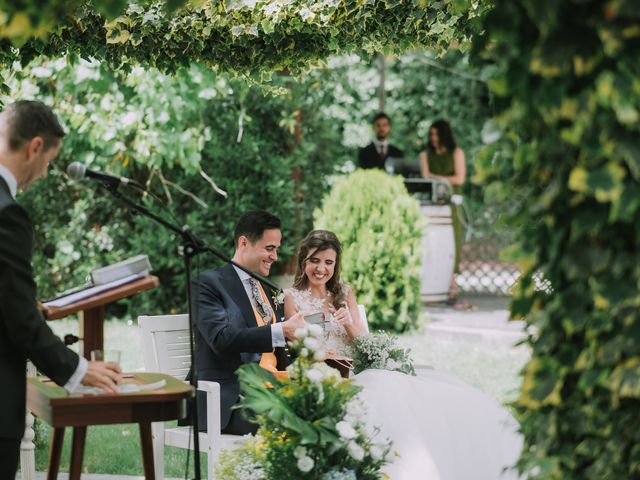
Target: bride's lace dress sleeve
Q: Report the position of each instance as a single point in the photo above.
(336, 341)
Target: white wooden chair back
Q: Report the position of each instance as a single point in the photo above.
(165, 345)
(363, 316)
(165, 349)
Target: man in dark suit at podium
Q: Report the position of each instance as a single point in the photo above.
(30, 138)
(376, 153)
(238, 320)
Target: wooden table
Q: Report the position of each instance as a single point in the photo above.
(60, 409)
(92, 311)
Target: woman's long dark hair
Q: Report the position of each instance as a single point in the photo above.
(319, 241)
(445, 135)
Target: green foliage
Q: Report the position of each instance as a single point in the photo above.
(176, 135)
(568, 98)
(22, 19)
(419, 89)
(380, 227)
(255, 37)
(311, 424)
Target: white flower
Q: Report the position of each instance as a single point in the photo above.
(278, 295)
(356, 451)
(392, 364)
(326, 371)
(300, 333)
(305, 464)
(304, 353)
(163, 117)
(346, 431)
(355, 408)
(376, 453)
(320, 393)
(311, 343)
(315, 330)
(300, 452)
(319, 355)
(314, 375)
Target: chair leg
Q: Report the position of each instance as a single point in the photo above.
(157, 433)
(212, 460)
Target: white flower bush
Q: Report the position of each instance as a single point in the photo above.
(380, 351)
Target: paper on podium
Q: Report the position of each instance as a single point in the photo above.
(124, 388)
(91, 291)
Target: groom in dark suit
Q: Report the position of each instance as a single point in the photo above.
(238, 321)
(30, 138)
(376, 153)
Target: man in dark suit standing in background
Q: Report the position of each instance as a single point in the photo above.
(376, 153)
(238, 319)
(30, 138)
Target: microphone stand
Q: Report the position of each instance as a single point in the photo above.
(190, 246)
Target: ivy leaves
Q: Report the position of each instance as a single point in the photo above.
(255, 37)
(568, 74)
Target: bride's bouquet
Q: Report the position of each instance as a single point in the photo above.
(380, 351)
(312, 425)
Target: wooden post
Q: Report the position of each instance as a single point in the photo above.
(382, 91)
(27, 446)
(92, 330)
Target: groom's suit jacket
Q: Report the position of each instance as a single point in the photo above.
(23, 331)
(228, 336)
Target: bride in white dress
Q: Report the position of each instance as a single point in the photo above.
(441, 428)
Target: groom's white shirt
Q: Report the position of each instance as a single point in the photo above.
(8, 177)
(277, 334)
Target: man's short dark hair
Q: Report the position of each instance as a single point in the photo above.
(27, 119)
(380, 115)
(253, 224)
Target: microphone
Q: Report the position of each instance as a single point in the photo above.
(78, 171)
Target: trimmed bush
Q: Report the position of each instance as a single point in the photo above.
(380, 227)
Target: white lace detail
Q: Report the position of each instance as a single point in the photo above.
(336, 339)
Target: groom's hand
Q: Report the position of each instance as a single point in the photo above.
(290, 325)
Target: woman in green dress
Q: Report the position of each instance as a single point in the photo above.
(444, 160)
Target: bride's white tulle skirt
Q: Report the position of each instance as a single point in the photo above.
(441, 428)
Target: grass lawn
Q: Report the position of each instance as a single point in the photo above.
(491, 366)
(113, 449)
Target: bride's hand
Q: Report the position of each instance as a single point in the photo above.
(343, 317)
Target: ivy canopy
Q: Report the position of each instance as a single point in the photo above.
(250, 37)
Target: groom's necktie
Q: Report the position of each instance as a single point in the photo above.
(264, 309)
(265, 316)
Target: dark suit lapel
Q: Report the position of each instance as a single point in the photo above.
(236, 290)
(373, 151)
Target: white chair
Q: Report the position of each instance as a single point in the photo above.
(363, 316)
(165, 349)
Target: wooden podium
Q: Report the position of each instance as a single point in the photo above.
(60, 409)
(92, 311)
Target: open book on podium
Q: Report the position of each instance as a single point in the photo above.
(109, 284)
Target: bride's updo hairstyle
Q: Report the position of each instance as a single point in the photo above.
(319, 241)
